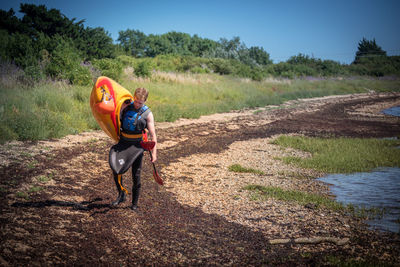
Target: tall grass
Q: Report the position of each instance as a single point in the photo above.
(342, 155)
(45, 111)
(190, 96)
(52, 110)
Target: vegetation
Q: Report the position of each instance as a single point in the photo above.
(260, 193)
(303, 198)
(45, 43)
(239, 168)
(368, 48)
(52, 110)
(49, 62)
(342, 155)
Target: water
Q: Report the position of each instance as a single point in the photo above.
(394, 111)
(377, 189)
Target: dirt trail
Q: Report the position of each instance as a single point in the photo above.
(55, 195)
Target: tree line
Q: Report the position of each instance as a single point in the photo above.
(45, 43)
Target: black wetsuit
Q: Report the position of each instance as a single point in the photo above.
(129, 153)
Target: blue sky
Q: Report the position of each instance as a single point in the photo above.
(326, 29)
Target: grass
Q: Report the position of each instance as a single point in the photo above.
(260, 193)
(342, 155)
(264, 192)
(55, 109)
(32, 164)
(22, 195)
(240, 169)
(43, 178)
(35, 189)
(45, 111)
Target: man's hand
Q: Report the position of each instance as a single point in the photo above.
(153, 156)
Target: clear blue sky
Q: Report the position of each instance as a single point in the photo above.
(326, 29)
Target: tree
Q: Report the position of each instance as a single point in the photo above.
(199, 47)
(98, 44)
(9, 22)
(300, 59)
(158, 45)
(50, 22)
(259, 55)
(179, 42)
(133, 42)
(368, 48)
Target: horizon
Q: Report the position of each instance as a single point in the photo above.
(318, 29)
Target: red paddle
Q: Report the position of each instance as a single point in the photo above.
(149, 145)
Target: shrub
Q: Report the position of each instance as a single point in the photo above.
(21, 50)
(6, 133)
(64, 61)
(80, 75)
(143, 69)
(199, 70)
(111, 68)
(35, 73)
(221, 66)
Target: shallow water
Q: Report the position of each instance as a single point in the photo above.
(394, 111)
(379, 189)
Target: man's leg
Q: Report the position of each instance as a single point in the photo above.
(121, 193)
(136, 169)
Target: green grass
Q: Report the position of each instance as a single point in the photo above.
(261, 193)
(342, 155)
(264, 192)
(22, 195)
(44, 179)
(53, 110)
(43, 112)
(240, 169)
(35, 189)
(32, 164)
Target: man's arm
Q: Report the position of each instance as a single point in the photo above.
(152, 131)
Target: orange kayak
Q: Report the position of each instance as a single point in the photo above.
(106, 100)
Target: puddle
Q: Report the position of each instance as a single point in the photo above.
(394, 111)
(377, 189)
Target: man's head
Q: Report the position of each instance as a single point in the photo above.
(141, 94)
(140, 97)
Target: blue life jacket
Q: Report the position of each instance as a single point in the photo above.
(134, 121)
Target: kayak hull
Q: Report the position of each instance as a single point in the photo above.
(106, 99)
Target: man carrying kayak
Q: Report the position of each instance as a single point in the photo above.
(136, 121)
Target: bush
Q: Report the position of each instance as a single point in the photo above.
(199, 70)
(21, 50)
(377, 66)
(80, 75)
(64, 61)
(221, 66)
(111, 68)
(6, 134)
(143, 69)
(35, 73)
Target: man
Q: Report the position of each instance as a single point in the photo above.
(136, 118)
